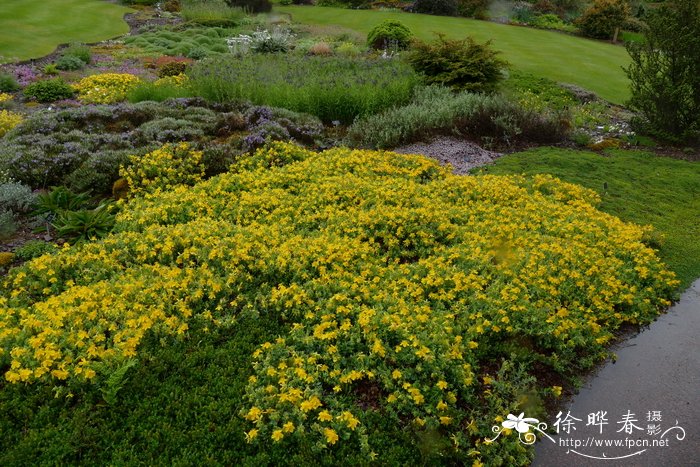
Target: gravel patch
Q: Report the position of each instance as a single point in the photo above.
(462, 155)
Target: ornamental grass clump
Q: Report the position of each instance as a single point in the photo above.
(107, 88)
(404, 289)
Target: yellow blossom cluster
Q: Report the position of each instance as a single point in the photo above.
(180, 80)
(8, 120)
(163, 169)
(5, 97)
(106, 88)
(397, 279)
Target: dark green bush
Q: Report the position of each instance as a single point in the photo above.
(473, 8)
(252, 6)
(389, 33)
(460, 64)
(69, 63)
(665, 72)
(603, 18)
(49, 90)
(84, 224)
(436, 7)
(172, 68)
(8, 83)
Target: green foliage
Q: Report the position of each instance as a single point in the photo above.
(331, 88)
(551, 21)
(665, 72)
(49, 90)
(603, 18)
(59, 199)
(85, 224)
(463, 65)
(211, 12)
(636, 186)
(80, 51)
(148, 91)
(69, 63)
(192, 42)
(8, 83)
(436, 7)
(436, 111)
(8, 226)
(116, 381)
(33, 249)
(389, 34)
(252, 6)
(172, 68)
(16, 197)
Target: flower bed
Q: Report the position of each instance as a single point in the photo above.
(411, 291)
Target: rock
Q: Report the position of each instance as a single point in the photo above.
(462, 155)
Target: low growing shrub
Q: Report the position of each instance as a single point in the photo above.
(460, 64)
(107, 88)
(69, 63)
(17, 197)
(436, 111)
(49, 90)
(391, 273)
(33, 249)
(8, 83)
(389, 33)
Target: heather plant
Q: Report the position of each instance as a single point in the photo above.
(188, 42)
(332, 88)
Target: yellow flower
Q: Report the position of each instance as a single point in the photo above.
(325, 416)
(311, 404)
(556, 390)
(250, 436)
(331, 435)
(277, 435)
(445, 420)
(442, 384)
(288, 427)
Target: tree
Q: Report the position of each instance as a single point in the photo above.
(665, 71)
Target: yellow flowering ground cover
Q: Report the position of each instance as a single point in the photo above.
(106, 88)
(8, 120)
(402, 285)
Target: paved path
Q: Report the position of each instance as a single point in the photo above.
(657, 370)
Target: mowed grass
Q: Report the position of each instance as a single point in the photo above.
(33, 28)
(593, 65)
(641, 188)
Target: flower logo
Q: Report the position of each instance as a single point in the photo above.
(522, 425)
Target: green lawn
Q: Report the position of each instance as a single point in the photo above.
(590, 64)
(33, 28)
(641, 188)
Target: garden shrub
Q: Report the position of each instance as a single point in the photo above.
(69, 63)
(331, 88)
(49, 90)
(107, 88)
(436, 7)
(8, 224)
(436, 111)
(665, 73)
(17, 197)
(175, 66)
(473, 8)
(8, 121)
(603, 18)
(80, 51)
(279, 39)
(85, 224)
(6, 258)
(461, 64)
(389, 33)
(8, 83)
(378, 263)
(321, 48)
